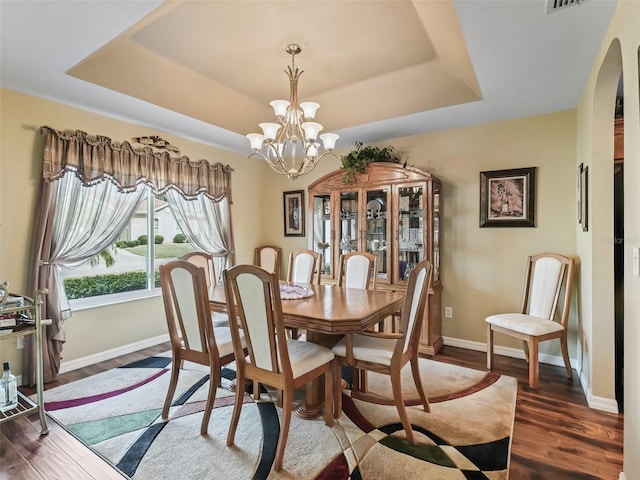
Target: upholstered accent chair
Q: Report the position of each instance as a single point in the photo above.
(387, 353)
(193, 337)
(546, 275)
(273, 358)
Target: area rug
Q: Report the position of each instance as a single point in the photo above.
(467, 434)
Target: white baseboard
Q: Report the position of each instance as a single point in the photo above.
(508, 352)
(596, 403)
(113, 353)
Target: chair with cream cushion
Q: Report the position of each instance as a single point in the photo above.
(193, 337)
(358, 270)
(546, 275)
(388, 352)
(269, 257)
(205, 261)
(304, 267)
(273, 359)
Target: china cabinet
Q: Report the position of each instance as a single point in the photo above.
(391, 211)
(26, 311)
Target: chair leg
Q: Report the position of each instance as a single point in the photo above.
(237, 407)
(337, 388)
(284, 429)
(328, 396)
(565, 356)
(489, 347)
(399, 401)
(214, 381)
(415, 370)
(534, 374)
(526, 346)
(256, 390)
(175, 371)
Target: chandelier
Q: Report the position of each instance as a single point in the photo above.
(290, 146)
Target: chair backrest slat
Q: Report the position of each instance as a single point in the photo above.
(414, 306)
(269, 258)
(185, 296)
(303, 267)
(358, 270)
(254, 293)
(204, 261)
(547, 275)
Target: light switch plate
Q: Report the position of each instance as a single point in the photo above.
(636, 261)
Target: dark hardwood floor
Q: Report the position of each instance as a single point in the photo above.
(556, 436)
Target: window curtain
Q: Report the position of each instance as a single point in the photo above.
(206, 224)
(90, 189)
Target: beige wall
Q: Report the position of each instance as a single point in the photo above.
(483, 268)
(619, 54)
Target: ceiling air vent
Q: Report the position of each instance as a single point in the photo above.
(555, 5)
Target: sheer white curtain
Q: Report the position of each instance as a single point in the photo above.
(86, 221)
(75, 223)
(206, 223)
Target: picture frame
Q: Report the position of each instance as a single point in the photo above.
(293, 205)
(508, 198)
(579, 190)
(584, 198)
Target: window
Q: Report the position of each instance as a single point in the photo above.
(126, 266)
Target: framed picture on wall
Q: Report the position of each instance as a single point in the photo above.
(294, 213)
(508, 198)
(580, 167)
(584, 198)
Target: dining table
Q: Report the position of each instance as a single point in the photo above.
(327, 314)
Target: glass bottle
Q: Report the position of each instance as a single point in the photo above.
(8, 390)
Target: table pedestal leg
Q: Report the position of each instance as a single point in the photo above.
(314, 391)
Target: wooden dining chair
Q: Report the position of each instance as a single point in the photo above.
(546, 274)
(273, 359)
(304, 267)
(193, 337)
(387, 353)
(269, 257)
(358, 270)
(205, 261)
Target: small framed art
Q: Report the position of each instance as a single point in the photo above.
(508, 198)
(583, 195)
(293, 213)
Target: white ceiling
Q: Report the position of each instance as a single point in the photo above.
(206, 70)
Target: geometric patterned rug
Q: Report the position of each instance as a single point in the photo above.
(467, 434)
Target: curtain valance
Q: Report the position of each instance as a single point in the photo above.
(97, 159)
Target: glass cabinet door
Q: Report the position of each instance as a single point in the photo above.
(410, 229)
(321, 205)
(377, 229)
(348, 228)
